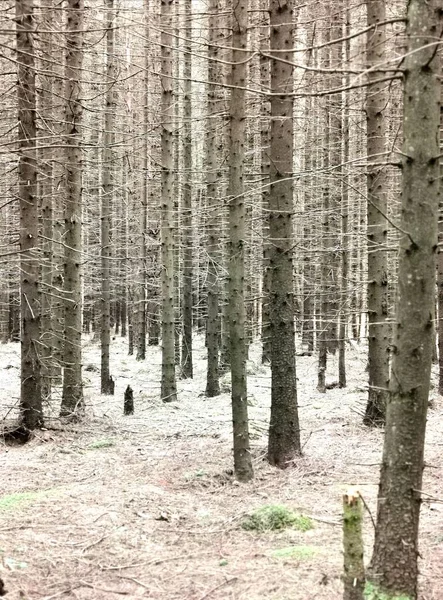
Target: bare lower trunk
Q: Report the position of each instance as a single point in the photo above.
(394, 567)
(72, 399)
(284, 431)
(168, 382)
(237, 238)
(30, 395)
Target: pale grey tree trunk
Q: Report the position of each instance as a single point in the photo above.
(394, 561)
(186, 356)
(142, 213)
(215, 107)
(30, 298)
(107, 384)
(284, 431)
(265, 166)
(237, 239)
(45, 193)
(72, 399)
(168, 381)
(377, 226)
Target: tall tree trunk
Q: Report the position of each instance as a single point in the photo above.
(265, 166)
(30, 394)
(142, 212)
(284, 431)
(72, 399)
(107, 384)
(378, 334)
(186, 358)
(168, 382)
(237, 213)
(215, 106)
(394, 561)
(45, 194)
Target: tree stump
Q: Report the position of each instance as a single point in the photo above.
(354, 570)
(128, 406)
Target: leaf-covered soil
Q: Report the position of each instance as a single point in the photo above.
(146, 505)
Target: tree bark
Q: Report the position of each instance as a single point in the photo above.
(168, 382)
(107, 384)
(186, 355)
(394, 561)
(72, 399)
(30, 315)
(284, 431)
(377, 182)
(237, 213)
(215, 107)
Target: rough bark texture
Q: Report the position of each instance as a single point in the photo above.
(143, 208)
(168, 382)
(377, 182)
(237, 214)
(284, 432)
(265, 167)
(30, 394)
(107, 384)
(186, 355)
(344, 309)
(353, 564)
(215, 105)
(72, 399)
(45, 194)
(394, 561)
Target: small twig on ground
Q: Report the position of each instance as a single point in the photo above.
(92, 544)
(217, 587)
(96, 587)
(137, 581)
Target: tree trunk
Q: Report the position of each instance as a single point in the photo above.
(107, 384)
(284, 431)
(377, 182)
(30, 395)
(72, 399)
(237, 213)
(394, 561)
(215, 107)
(168, 382)
(186, 357)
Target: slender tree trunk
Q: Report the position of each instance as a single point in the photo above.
(168, 382)
(237, 234)
(45, 193)
(72, 399)
(284, 431)
(343, 317)
(213, 198)
(265, 167)
(378, 334)
(30, 396)
(142, 214)
(394, 561)
(186, 358)
(107, 384)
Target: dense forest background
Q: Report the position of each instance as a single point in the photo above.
(197, 195)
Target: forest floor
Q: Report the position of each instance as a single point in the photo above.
(146, 505)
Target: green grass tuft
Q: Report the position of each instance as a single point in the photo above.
(274, 518)
(101, 444)
(296, 552)
(372, 592)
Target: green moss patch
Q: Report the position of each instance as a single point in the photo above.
(275, 518)
(17, 501)
(101, 444)
(373, 592)
(294, 552)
